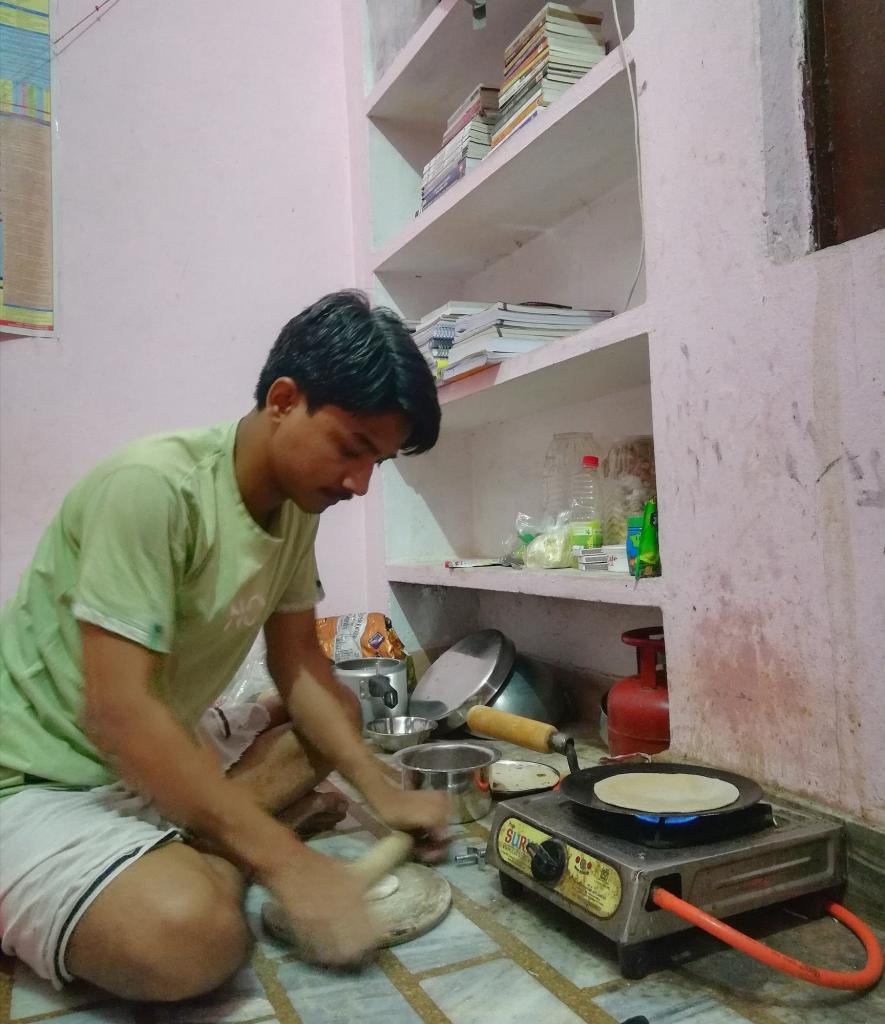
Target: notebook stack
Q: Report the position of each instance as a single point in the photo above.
(467, 139)
(435, 332)
(505, 329)
(558, 47)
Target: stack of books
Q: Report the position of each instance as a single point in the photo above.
(435, 333)
(467, 139)
(557, 47)
(505, 329)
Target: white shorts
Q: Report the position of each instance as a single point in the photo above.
(60, 848)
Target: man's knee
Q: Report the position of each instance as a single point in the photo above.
(180, 936)
(191, 946)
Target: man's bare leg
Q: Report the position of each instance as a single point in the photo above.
(283, 777)
(169, 927)
(192, 933)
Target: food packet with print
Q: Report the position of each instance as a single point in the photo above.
(552, 548)
(362, 635)
(648, 558)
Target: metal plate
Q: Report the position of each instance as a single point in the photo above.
(471, 672)
(580, 787)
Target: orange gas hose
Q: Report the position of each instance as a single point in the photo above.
(856, 980)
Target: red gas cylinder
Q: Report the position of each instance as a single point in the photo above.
(638, 706)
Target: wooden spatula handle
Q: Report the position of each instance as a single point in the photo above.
(387, 854)
(513, 728)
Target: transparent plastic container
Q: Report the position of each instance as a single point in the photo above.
(585, 512)
(561, 462)
(628, 482)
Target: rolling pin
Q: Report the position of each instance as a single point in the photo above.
(387, 854)
(525, 732)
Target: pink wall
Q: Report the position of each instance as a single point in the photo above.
(769, 415)
(203, 199)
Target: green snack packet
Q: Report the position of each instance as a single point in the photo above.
(648, 560)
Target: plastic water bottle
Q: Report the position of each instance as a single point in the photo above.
(585, 518)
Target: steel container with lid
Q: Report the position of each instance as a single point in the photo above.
(470, 672)
(484, 669)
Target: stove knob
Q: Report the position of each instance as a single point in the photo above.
(549, 861)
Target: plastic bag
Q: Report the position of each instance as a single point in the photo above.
(366, 635)
(363, 635)
(552, 548)
(251, 678)
(525, 529)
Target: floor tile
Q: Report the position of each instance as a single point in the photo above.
(579, 954)
(666, 998)
(240, 999)
(454, 939)
(477, 882)
(32, 996)
(118, 1013)
(335, 997)
(824, 943)
(496, 991)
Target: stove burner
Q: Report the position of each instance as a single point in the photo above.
(665, 832)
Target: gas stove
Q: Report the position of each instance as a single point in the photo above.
(602, 868)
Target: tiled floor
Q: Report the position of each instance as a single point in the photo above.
(491, 960)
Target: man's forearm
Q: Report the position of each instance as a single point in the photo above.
(318, 716)
(154, 754)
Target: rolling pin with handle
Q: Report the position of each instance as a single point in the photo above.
(387, 854)
(526, 732)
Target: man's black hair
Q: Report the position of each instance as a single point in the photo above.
(340, 351)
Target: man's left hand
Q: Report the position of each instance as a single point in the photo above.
(423, 814)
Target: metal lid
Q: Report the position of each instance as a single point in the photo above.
(471, 672)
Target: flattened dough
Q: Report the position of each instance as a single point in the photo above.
(666, 792)
(508, 777)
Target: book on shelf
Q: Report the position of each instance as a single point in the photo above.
(467, 139)
(445, 180)
(511, 315)
(563, 19)
(529, 110)
(483, 102)
(556, 49)
(519, 122)
(453, 308)
(472, 140)
(492, 346)
(468, 367)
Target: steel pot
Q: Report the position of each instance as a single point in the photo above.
(381, 684)
(461, 770)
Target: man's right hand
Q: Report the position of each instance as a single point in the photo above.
(326, 907)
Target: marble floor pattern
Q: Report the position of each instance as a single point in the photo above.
(491, 960)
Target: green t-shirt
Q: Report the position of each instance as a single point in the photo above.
(156, 545)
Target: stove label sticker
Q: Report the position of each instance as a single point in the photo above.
(586, 881)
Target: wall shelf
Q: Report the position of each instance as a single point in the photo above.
(435, 71)
(577, 150)
(608, 357)
(572, 584)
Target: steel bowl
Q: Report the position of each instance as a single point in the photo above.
(398, 732)
(460, 770)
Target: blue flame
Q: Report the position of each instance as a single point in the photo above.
(678, 819)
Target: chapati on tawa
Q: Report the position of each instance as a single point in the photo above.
(665, 792)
